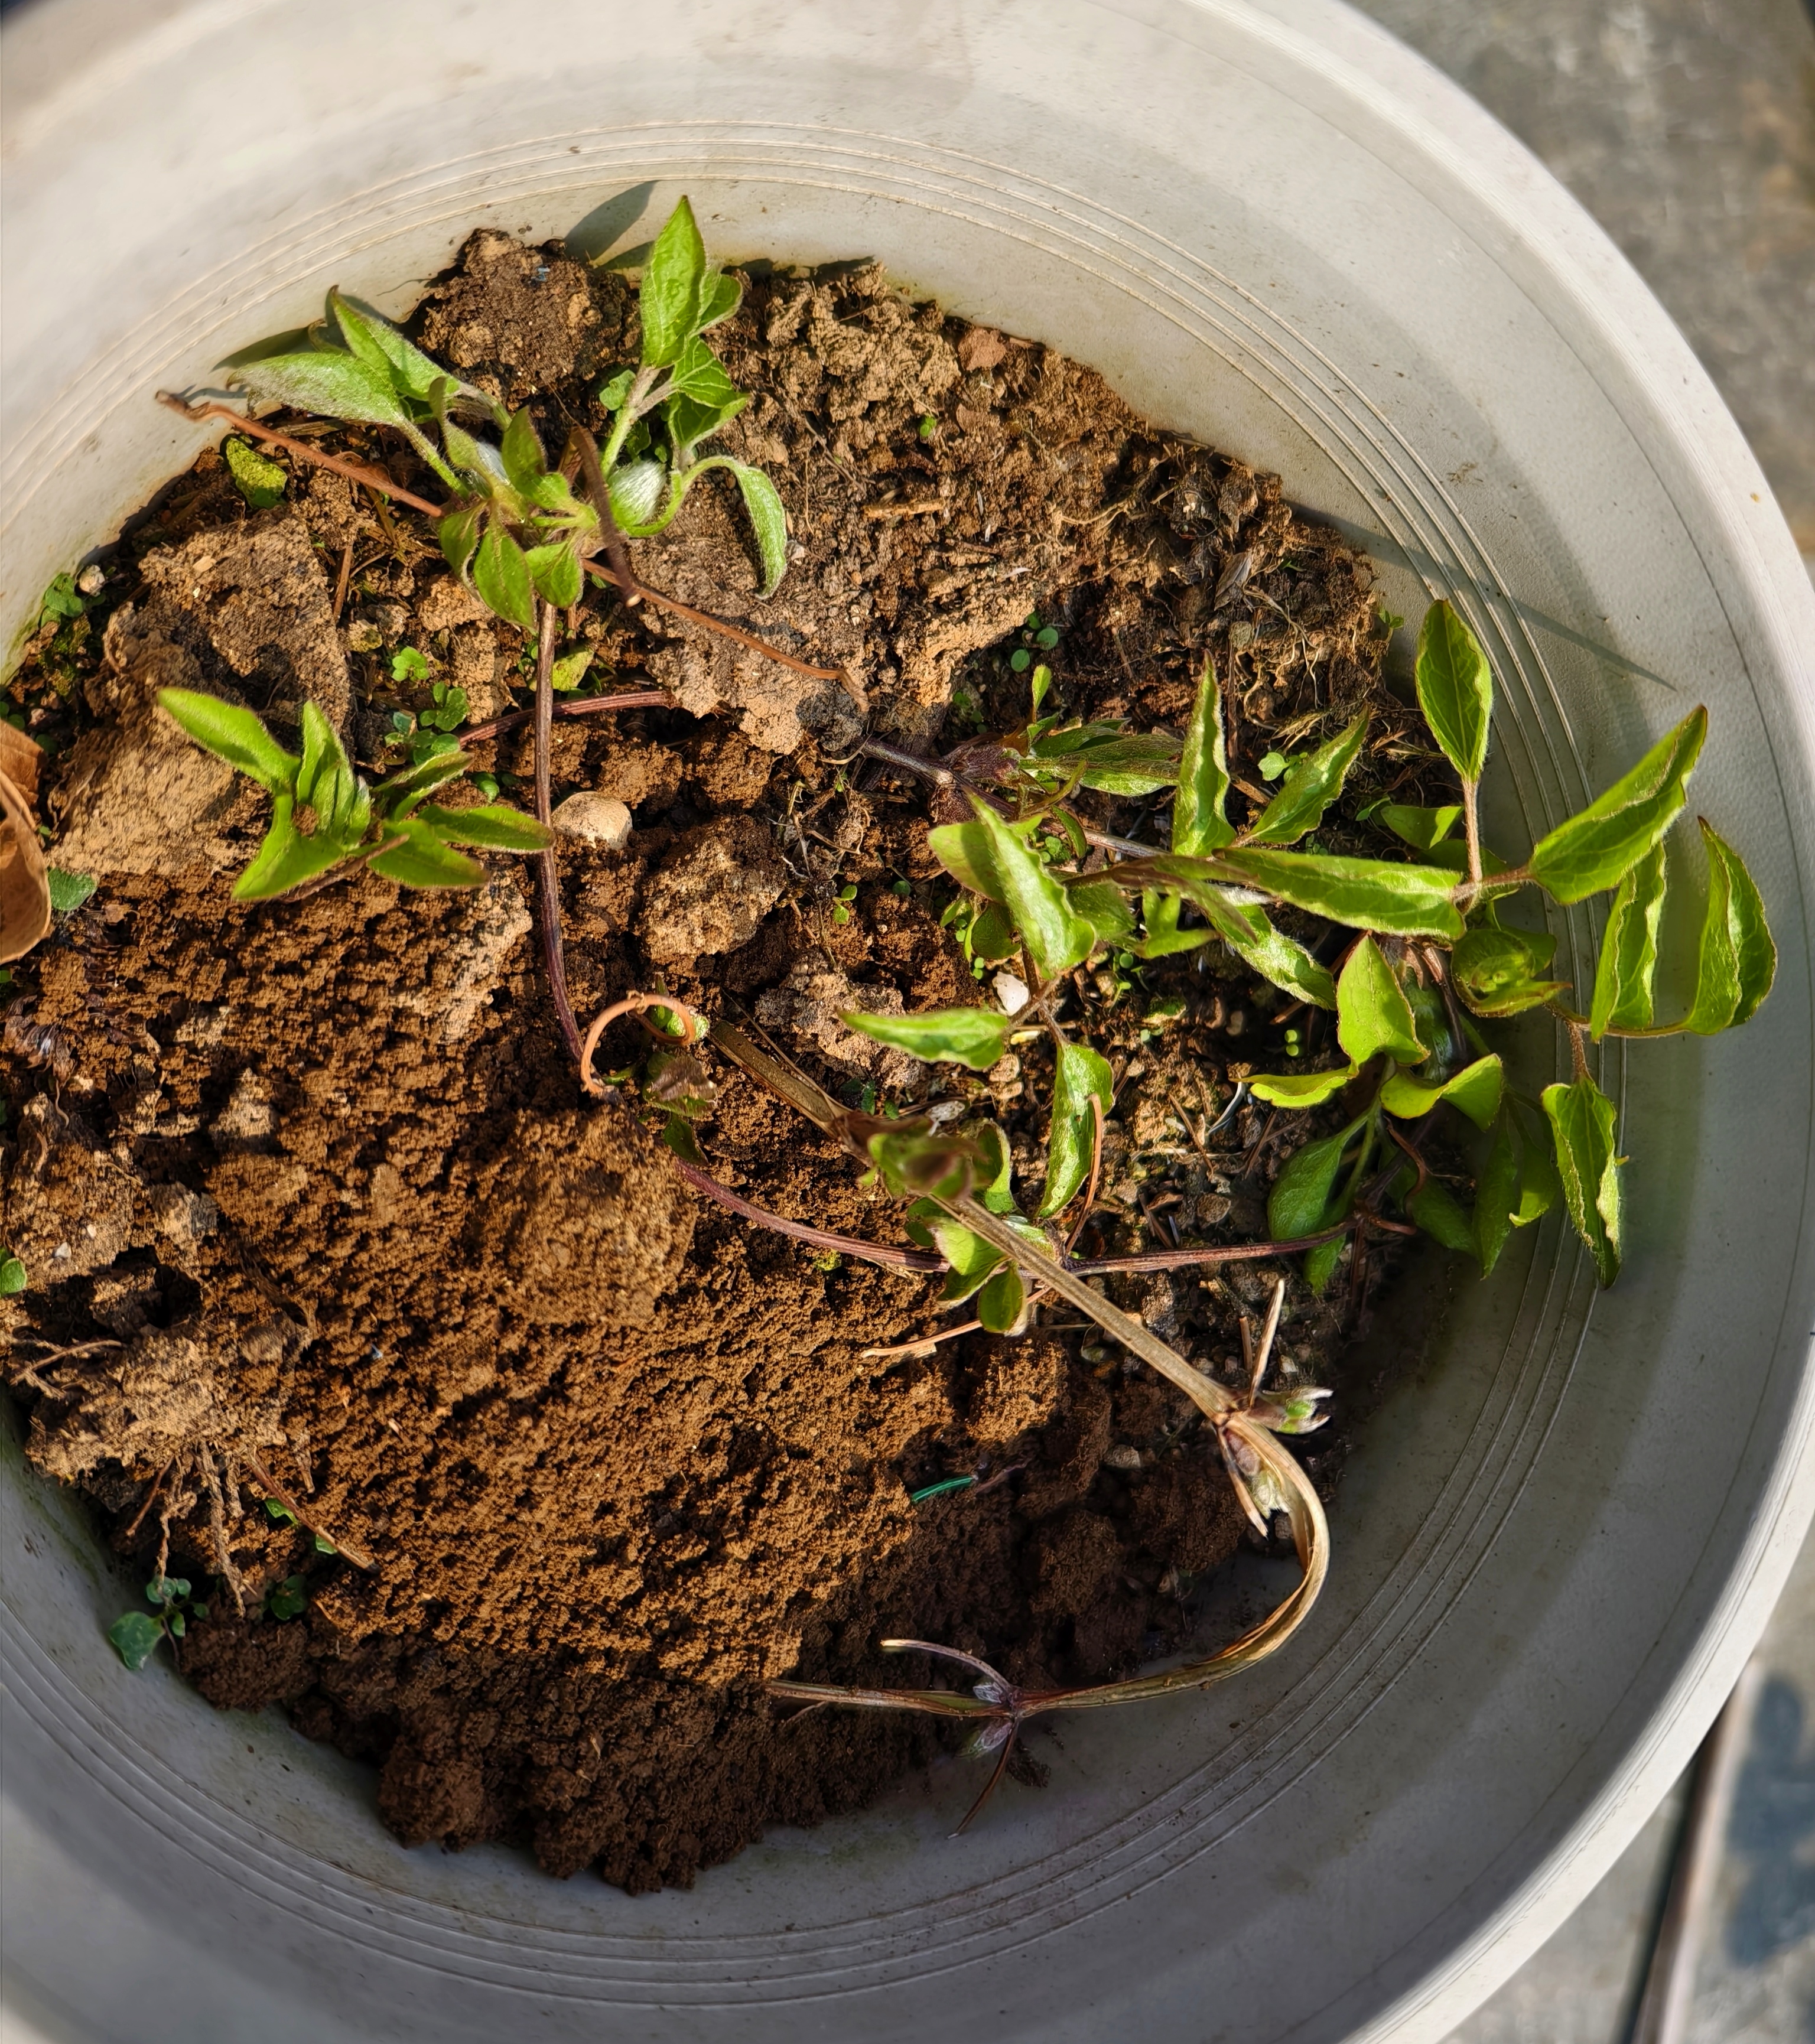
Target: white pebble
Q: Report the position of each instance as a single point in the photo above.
(1012, 992)
(600, 819)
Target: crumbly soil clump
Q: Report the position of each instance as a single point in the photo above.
(308, 1185)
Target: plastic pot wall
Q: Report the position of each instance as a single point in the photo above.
(1273, 228)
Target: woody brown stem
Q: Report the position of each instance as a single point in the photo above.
(548, 873)
(373, 478)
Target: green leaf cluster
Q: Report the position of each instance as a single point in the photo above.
(325, 817)
(135, 1635)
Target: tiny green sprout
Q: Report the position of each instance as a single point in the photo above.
(288, 1599)
(1038, 685)
(1390, 620)
(929, 426)
(841, 905)
(408, 665)
(135, 1634)
(1046, 637)
(1020, 659)
(569, 671)
(944, 1488)
(825, 1260)
(13, 1277)
(1293, 1043)
(68, 890)
(61, 600)
(258, 478)
(277, 1510)
(1272, 765)
(447, 709)
(904, 888)
(392, 828)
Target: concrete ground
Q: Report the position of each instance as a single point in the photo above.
(1687, 129)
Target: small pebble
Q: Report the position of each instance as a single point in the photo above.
(1012, 992)
(600, 819)
(1123, 1457)
(92, 579)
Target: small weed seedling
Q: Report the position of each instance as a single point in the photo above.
(135, 1634)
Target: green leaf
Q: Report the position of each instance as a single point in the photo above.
(1597, 847)
(422, 859)
(768, 520)
(973, 1037)
(1456, 689)
(995, 1176)
(677, 1134)
(1161, 935)
(386, 350)
(719, 296)
(1056, 938)
(258, 478)
(999, 1303)
(1199, 824)
(1494, 970)
(332, 385)
(1299, 1088)
(491, 826)
(1582, 1120)
(501, 574)
(555, 569)
(289, 1599)
(1104, 906)
(1475, 1090)
(1320, 1262)
(1425, 828)
(13, 1276)
(326, 782)
(1628, 949)
(1372, 1012)
(1436, 1210)
(458, 533)
(699, 375)
(399, 793)
(1312, 783)
(520, 448)
(1495, 1194)
(1364, 894)
(635, 491)
(1081, 1076)
(286, 857)
(1539, 1187)
(1132, 765)
(615, 390)
(912, 1162)
(991, 935)
(964, 851)
(1301, 1193)
(134, 1637)
(1738, 959)
(973, 1261)
(232, 734)
(68, 890)
(669, 297)
(569, 671)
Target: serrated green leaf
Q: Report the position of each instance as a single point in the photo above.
(973, 1037)
(422, 860)
(555, 569)
(1582, 1120)
(1627, 964)
(1597, 847)
(1302, 1194)
(1080, 1077)
(491, 826)
(768, 520)
(1056, 938)
(458, 533)
(699, 374)
(501, 575)
(670, 296)
(1436, 1210)
(232, 734)
(1199, 822)
(1299, 1088)
(719, 296)
(1425, 828)
(1495, 1194)
(258, 478)
(1475, 1091)
(1456, 689)
(134, 1637)
(1312, 783)
(327, 382)
(1737, 960)
(1372, 1012)
(1495, 972)
(1364, 894)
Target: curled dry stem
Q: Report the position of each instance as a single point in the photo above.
(692, 1022)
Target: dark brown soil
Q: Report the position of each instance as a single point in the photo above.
(318, 1170)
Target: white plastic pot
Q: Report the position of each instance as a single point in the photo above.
(1272, 227)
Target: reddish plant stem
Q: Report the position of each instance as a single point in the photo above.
(592, 706)
(616, 552)
(845, 1245)
(373, 478)
(691, 1019)
(549, 872)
